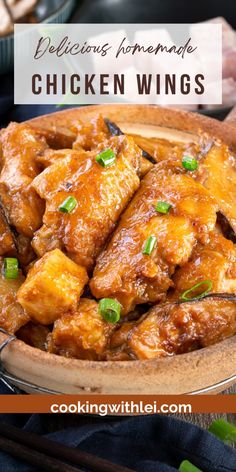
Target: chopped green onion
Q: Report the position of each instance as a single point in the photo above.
(106, 158)
(185, 294)
(110, 310)
(163, 207)
(68, 205)
(189, 163)
(186, 466)
(223, 430)
(149, 245)
(11, 268)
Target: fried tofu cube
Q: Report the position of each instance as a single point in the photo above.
(52, 287)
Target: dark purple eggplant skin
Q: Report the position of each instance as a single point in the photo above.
(116, 131)
(224, 296)
(113, 128)
(226, 227)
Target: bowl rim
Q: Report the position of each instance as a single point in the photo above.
(51, 357)
(45, 19)
(153, 368)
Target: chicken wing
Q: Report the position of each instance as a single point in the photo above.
(214, 261)
(57, 137)
(52, 287)
(83, 334)
(20, 146)
(122, 270)
(101, 194)
(90, 134)
(217, 173)
(177, 328)
(12, 315)
(50, 156)
(13, 244)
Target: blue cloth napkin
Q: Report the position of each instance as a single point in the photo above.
(145, 443)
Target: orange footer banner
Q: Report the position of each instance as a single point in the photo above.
(105, 405)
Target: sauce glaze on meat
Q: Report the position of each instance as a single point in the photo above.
(69, 261)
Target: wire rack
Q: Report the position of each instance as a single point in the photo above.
(15, 384)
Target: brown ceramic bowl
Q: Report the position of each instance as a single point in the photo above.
(207, 370)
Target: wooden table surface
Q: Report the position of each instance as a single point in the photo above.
(204, 420)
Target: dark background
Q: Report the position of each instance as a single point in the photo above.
(153, 11)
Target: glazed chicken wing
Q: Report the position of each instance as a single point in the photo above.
(20, 146)
(214, 261)
(83, 334)
(90, 134)
(177, 328)
(217, 173)
(12, 315)
(123, 271)
(216, 167)
(101, 194)
(51, 156)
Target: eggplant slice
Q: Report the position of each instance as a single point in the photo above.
(116, 131)
(226, 228)
(183, 326)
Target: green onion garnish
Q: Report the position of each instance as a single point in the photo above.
(68, 205)
(109, 309)
(106, 158)
(186, 466)
(223, 430)
(189, 163)
(163, 207)
(11, 268)
(149, 245)
(185, 294)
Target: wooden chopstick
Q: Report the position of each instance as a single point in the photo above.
(47, 447)
(38, 460)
